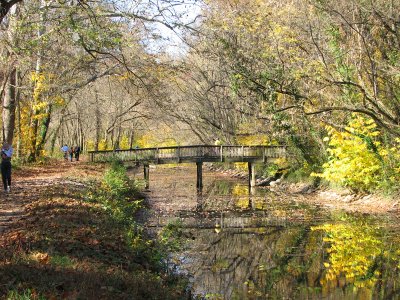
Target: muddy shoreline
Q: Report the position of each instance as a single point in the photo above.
(345, 199)
(336, 199)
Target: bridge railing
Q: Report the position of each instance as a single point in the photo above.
(191, 153)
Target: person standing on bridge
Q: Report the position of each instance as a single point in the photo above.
(216, 150)
(6, 153)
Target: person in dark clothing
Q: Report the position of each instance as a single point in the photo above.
(77, 151)
(6, 153)
(71, 153)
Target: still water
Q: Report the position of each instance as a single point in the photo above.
(259, 244)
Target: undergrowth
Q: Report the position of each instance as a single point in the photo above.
(81, 242)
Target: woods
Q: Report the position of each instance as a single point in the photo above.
(249, 72)
(311, 212)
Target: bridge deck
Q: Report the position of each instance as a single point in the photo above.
(200, 153)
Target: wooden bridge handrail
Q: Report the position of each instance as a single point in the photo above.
(191, 146)
(194, 153)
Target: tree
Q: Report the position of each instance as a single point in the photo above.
(66, 45)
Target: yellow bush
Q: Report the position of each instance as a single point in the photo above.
(103, 145)
(124, 142)
(357, 159)
(90, 145)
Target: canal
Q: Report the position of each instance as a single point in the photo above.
(242, 243)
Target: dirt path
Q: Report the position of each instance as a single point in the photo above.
(28, 185)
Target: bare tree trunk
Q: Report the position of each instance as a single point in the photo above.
(80, 130)
(106, 138)
(68, 135)
(98, 121)
(55, 135)
(131, 138)
(19, 130)
(10, 94)
(9, 104)
(118, 139)
(112, 139)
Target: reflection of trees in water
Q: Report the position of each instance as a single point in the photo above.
(288, 263)
(240, 263)
(362, 259)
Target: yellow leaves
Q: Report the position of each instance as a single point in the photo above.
(42, 258)
(243, 203)
(124, 143)
(162, 137)
(39, 106)
(90, 145)
(225, 26)
(59, 101)
(278, 29)
(240, 190)
(283, 162)
(256, 139)
(37, 77)
(352, 251)
(262, 268)
(42, 82)
(102, 145)
(355, 155)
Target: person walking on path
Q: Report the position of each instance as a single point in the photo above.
(77, 151)
(6, 154)
(71, 153)
(65, 151)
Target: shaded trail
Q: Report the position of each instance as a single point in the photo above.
(28, 186)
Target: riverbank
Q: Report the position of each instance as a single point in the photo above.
(55, 244)
(343, 199)
(337, 199)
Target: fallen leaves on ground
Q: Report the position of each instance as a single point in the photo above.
(65, 248)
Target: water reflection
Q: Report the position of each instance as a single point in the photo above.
(294, 263)
(257, 244)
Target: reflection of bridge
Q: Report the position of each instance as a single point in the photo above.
(197, 154)
(233, 220)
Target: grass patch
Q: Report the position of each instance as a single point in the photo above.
(24, 295)
(61, 261)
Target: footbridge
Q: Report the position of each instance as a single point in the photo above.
(193, 154)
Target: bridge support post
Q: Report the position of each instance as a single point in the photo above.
(146, 173)
(252, 174)
(199, 183)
